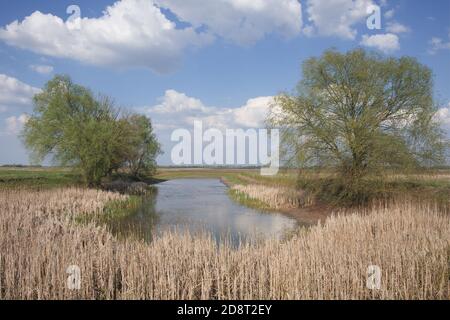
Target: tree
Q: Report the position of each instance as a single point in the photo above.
(360, 112)
(77, 129)
(145, 148)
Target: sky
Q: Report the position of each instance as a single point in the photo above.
(219, 61)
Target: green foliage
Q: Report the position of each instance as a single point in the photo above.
(144, 147)
(361, 113)
(245, 200)
(336, 191)
(79, 130)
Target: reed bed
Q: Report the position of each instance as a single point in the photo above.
(275, 197)
(39, 239)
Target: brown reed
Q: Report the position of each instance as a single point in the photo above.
(39, 239)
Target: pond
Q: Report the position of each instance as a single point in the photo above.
(200, 205)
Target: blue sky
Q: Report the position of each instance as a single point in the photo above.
(219, 60)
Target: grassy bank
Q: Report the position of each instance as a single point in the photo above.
(39, 239)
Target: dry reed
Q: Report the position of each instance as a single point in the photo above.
(275, 197)
(39, 239)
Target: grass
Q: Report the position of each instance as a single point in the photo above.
(248, 201)
(117, 208)
(199, 173)
(37, 177)
(39, 239)
(112, 210)
(272, 197)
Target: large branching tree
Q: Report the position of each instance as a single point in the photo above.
(77, 129)
(360, 112)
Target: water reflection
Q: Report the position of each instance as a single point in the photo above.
(199, 205)
(139, 222)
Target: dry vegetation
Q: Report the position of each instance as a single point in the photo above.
(275, 197)
(39, 239)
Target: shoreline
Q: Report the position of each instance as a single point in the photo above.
(311, 215)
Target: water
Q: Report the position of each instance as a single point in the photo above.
(201, 205)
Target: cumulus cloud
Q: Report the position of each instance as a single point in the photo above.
(337, 17)
(14, 124)
(14, 94)
(396, 27)
(176, 102)
(254, 113)
(42, 69)
(240, 21)
(130, 33)
(177, 110)
(137, 33)
(387, 43)
(341, 17)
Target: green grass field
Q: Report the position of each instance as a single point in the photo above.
(37, 177)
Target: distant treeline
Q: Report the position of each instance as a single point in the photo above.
(20, 166)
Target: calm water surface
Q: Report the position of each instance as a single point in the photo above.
(201, 205)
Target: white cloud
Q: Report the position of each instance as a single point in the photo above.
(338, 17)
(177, 110)
(395, 27)
(130, 33)
(15, 124)
(174, 102)
(389, 14)
(443, 115)
(240, 21)
(254, 113)
(438, 44)
(42, 69)
(15, 94)
(384, 42)
(136, 33)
